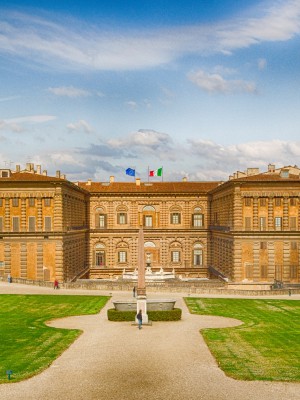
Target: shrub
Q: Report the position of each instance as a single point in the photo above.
(170, 315)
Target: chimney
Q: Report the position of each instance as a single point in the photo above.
(271, 168)
(184, 179)
(63, 176)
(138, 181)
(45, 172)
(28, 165)
(18, 168)
(89, 182)
(58, 174)
(38, 169)
(111, 179)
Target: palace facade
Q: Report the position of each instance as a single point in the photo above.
(245, 229)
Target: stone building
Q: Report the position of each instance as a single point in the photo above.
(43, 225)
(246, 229)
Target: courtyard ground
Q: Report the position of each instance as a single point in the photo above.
(114, 360)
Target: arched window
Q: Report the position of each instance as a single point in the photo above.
(99, 255)
(197, 254)
(175, 216)
(175, 249)
(122, 252)
(122, 216)
(100, 218)
(198, 218)
(148, 216)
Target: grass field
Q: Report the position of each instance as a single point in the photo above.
(27, 345)
(265, 347)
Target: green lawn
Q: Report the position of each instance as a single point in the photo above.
(265, 347)
(27, 345)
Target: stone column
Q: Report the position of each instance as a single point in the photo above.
(256, 266)
(59, 259)
(271, 257)
(286, 261)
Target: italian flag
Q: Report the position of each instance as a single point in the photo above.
(156, 172)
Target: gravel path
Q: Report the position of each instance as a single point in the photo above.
(114, 360)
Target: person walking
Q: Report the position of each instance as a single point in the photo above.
(56, 284)
(139, 318)
(133, 291)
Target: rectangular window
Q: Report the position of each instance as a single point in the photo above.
(48, 224)
(293, 201)
(31, 202)
(293, 221)
(15, 202)
(263, 202)
(263, 245)
(293, 245)
(15, 224)
(264, 271)
(263, 223)
(148, 221)
(47, 202)
(175, 218)
(278, 223)
(1, 202)
(293, 271)
(248, 222)
(101, 221)
(1, 223)
(197, 220)
(277, 201)
(248, 271)
(248, 201)
(122, 256)
(278, 272)
(31, 224)
(122, 218)
(175, 256)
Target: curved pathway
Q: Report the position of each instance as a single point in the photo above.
(114, 360)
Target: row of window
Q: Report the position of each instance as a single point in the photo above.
(175, 257)
(263, 201)
(175, 219)
(291, 270)
(31, 224)
(15, 202)
(264, 245)
(277, 223)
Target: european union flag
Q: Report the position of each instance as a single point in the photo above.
(130, 171)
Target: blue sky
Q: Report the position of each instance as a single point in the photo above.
(202, 88)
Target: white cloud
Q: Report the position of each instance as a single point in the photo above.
(80, 126)
(18, 124)
(69, 91)
(131, 104)
(215, 83)
(262, 63)
(55, 45)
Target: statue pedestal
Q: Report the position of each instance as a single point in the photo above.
(141, 304)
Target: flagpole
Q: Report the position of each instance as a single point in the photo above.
(162, 174)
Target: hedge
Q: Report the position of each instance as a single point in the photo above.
(170, 315)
